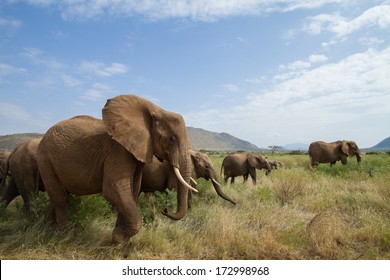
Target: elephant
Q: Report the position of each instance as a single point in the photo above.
(322, 152)
(274, 164)
(158, 176)
(25, 179)
(84, 155)
(4, 154)
(243, 164)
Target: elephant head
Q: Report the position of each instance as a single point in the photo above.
(259, 162)
(203, 168)
(145, 129)
(350, 148)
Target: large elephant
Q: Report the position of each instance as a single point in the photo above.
(243, 164)
(158, 176)
(84, 155)
(4, 154)
(25, 180)
(322, 152)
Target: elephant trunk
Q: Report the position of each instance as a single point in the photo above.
(268, 167)
(182, 190)
(358, 157)
(219, 191)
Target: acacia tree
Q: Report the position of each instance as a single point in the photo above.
(275, 148)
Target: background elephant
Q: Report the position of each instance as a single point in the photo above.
(3, 163)
(322, 152)
(158, 176)
(274, 164)
(25, 180)
(243, 164)
(84, 155)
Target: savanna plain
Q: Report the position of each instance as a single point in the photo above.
(339, 212)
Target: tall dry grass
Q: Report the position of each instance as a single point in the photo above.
(339, 212)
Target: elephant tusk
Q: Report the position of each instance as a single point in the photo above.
(193, 181)
(178, 175)
(215, 182)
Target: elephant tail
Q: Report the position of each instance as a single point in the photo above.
(39, 183)
(220, 173)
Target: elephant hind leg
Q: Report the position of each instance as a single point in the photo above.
(10, 192)
(57, 195)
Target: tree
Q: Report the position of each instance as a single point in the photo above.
(275, 148)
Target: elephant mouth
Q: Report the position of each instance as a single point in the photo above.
(160, 159)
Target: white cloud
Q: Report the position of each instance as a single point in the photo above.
(299, 66)
(376, 16)
(11, 111)
(37, 56)
(10, 23)
(327, 101)
(231, 88)
(100, 69)
(6, 69)
(70, 81)
(197, 10)
(98, 92)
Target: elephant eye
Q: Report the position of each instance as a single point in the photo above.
(172, 139)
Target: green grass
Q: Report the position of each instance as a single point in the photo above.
(338, 212)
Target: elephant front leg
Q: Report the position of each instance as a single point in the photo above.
(124, 229)
(252, 173)
(128, 221)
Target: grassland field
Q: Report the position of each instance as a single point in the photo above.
(338, 212)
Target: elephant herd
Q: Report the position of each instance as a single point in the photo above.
(136, 147)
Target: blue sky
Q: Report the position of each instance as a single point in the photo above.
(269, 72)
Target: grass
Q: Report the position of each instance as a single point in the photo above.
(339, 212)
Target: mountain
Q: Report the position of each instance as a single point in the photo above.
(383, 145)
(296, 147)
(202, 139)
(9, 142)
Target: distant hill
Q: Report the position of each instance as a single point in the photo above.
(9, 142)
(202, 139)
(296, 147)
(383, 145)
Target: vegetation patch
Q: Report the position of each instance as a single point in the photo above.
(338, 212)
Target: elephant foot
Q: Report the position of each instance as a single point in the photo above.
(122, 235)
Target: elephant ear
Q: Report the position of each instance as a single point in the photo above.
(345, 148)
(128, 119)
(252, 160)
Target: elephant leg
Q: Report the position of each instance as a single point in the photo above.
(226, 178)
(28, 192)
(10, 192)
(128, 222)
(232, 180)
(57, 194)
(50, 215)
(245, 176)
(29, 202)
(252, 173)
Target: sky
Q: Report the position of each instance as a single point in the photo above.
(271, 72)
